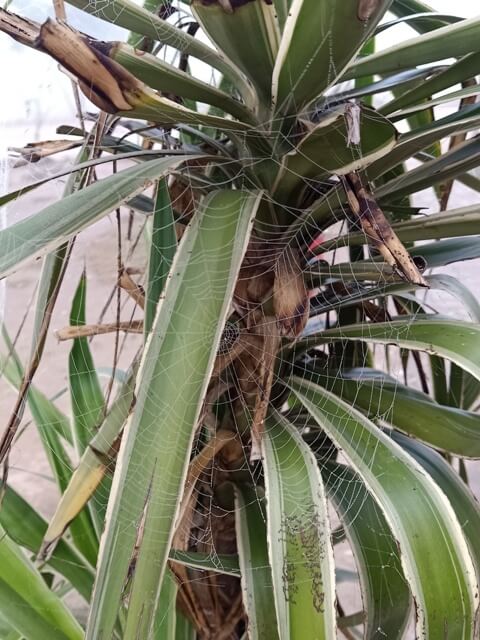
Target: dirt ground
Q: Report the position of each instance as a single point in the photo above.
(95, 251)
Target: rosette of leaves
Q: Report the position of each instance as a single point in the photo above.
(284, 284)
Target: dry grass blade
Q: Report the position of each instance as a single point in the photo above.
(35, 151)
(271, 345)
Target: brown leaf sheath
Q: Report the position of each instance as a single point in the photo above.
(378, 229)
(290, 295)
(271, 345)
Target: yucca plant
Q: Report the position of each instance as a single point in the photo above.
(262, 400)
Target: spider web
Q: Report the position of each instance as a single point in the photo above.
(208, 516)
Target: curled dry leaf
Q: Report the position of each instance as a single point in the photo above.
(35, 151)
(378, 229)
(106, 83)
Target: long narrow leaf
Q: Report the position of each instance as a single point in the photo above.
(434, 553)
(446, 428)
(452, 163)
(258, 597)
(129, 15)
(26, 527)
(227, 29)
(165, 622)
(451, 41)
(26, 601)
(385, 592)
(455, 340)
(162, 76)
(461, 498)
(314, 50)
(170, 387)
(85, 391)
(300, 547)
(163, 246)
(93, 466)
(51, 227)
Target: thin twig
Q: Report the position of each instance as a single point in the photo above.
(134, 290)
(119, 305)
(86, 330)
(19, 407)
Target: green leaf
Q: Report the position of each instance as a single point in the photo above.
(461, 498)
(127, 14)
(411, 143)
(281, 10)
(136, 154)
(403, 79)
(452, 163)
(463, 69)
(160, 75)
(385, 592)
(420, 20)
(434, 254)
(85, 391)
(322, 304)
(408, 7)
(184, 630)
(173, 378)
(433, 550)
(93, 466)
(299, 539)
(451, 41)
(165, 616)
(314, 50)
(452, 339)
(46, 417)
(163, 246)
(443, 252)
(26, 527)
(446, 428)
(257, 587)
(445, 224)
(27, 603)
(444, 98)
(323, 150)
(45, 231)
(226, 564)
(86, 398)
(255, 54)
(148, 105)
